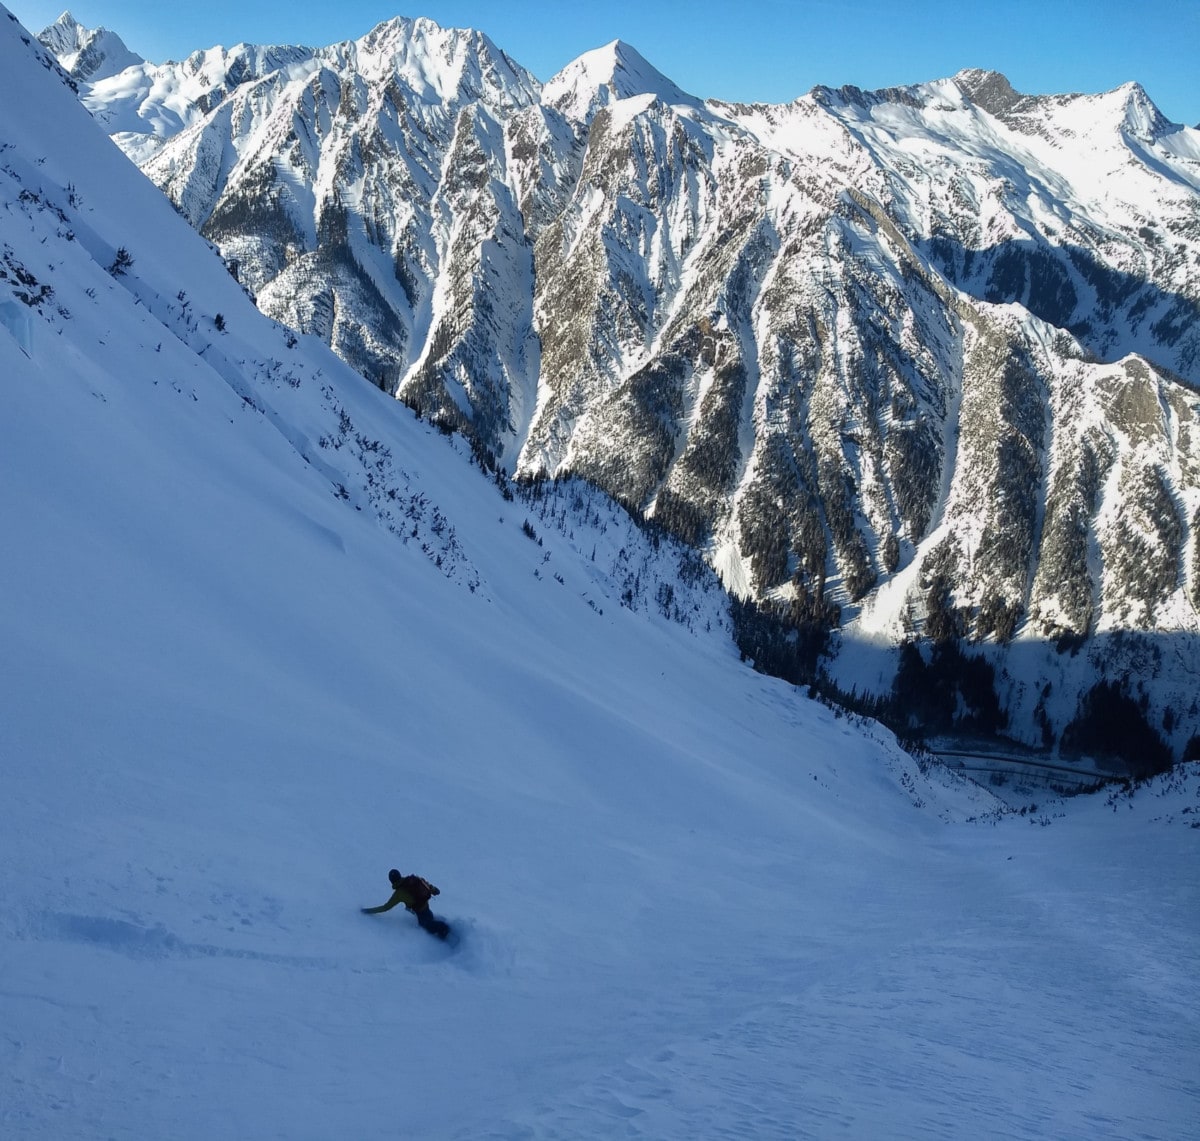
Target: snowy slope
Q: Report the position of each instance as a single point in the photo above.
(265, 635)
(607, 75)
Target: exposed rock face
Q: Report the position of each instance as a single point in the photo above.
(927, 358)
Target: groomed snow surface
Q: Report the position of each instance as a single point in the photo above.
(691, 903)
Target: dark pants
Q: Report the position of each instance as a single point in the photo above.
(432, 923)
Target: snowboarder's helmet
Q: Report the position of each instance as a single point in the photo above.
(394, 876)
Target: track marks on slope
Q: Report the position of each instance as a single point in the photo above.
(138, 941)
(474, 949)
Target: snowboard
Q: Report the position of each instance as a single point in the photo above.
(438, 928)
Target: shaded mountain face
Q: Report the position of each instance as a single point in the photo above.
(921, 361)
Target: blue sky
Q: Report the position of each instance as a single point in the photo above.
(768, 50)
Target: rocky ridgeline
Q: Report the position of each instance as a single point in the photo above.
(915, 362)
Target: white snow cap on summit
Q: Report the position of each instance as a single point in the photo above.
(603, 75)
(64, 35)
(87, 53)
(444, 63)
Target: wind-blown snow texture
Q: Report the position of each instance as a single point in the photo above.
(921, 362)
(265, 635)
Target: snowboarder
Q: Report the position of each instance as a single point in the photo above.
(415, 893)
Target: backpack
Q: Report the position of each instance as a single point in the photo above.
(421, 890)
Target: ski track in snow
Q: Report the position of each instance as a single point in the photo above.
(468, 948)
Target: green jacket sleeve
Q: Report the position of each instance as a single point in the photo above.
(398, 896)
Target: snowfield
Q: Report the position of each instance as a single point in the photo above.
(264, 635)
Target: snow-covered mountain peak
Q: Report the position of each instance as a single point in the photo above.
(88, 54)
(64, 35)
(606, 74)
(241, 63)
(988, 89)
(1142, 118)
(890, 106)
(147, 104)
(1127, 109)
(440, 63)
